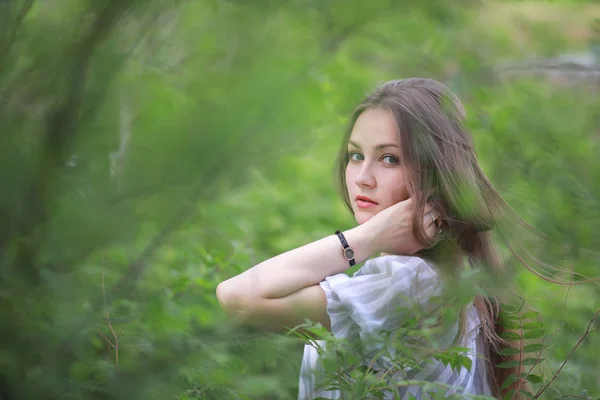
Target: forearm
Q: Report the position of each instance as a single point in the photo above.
(301, 267)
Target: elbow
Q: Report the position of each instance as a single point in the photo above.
(225, 296)
(231, 298)
(236, 302)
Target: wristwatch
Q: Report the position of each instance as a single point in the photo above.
(347, 251)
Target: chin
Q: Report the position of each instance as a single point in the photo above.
(362, 217)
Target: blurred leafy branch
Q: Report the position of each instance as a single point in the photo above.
(146, 154)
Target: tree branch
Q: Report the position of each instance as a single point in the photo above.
(587, 331)
(25, 8)
(115, 345)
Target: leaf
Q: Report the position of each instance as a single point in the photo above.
(532, 361)
(534, 378)
(359, 389)
(508, 364)
(533, 348)
(533, 325)
(509, 395)
(453, 363)
(443, 358)
(458, 350)
(329, 364)
(509, 351)
(510, 336)
(530, 314)
(351, 358)
(534, 334)
(509, 308)
(466, 362)
(526, 393)
(510, 324)
(512, 378)
(508, 317)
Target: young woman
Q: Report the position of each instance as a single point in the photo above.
(409, 174)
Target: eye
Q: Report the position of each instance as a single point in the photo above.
(391, 159)
(354, 156)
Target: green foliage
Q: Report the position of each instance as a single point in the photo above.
(342, 362)
(151, 150)
(520, 328)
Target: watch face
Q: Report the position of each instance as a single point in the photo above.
(349, 253)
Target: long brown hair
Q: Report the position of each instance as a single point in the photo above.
(438, 150)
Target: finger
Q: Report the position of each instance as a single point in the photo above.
(428, 207)
(431, 217)
(436, 217)
(431, 231)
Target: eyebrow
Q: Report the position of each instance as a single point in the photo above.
(378, 147)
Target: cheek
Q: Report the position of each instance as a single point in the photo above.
(399, 193)
(397, 188)
(350, 178)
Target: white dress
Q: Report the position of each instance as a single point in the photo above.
(367, 302)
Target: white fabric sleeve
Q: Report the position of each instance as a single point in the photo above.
(379, 296)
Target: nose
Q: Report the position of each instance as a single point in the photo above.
(365, 177)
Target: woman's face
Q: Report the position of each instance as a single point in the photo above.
(374, 177)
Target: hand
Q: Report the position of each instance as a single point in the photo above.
(391, 230)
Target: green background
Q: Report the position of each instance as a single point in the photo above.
(150, 150)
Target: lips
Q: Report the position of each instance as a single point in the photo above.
(365, 199)
(365, 202)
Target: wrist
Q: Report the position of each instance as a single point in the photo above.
(360, 239)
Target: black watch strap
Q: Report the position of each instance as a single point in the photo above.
(347, 251)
